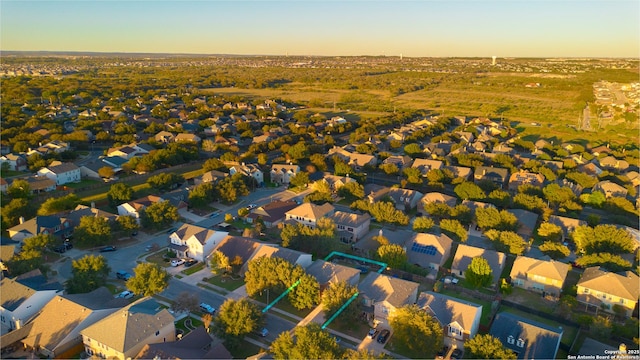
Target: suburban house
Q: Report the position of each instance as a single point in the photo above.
(528, 339)
(164, 137)
(524, 177)
(600, 289)
(50, 224)
(355, 160)
(351, 227)
(527, 221)
(251, 170)
(425, 165)
(493, 174)
(336, 182)
(610, 189)
(382, 295)
(195, 242)
(282, 173)
(428, 251)
(62, 173)
(405, 199)
(568, 225)
(125, 152)
(212, 176)
(612, 163)
(134, 207)
(308, 213)
(272, 213)
(460, 171)
(328, 273)
(292, 256)
(459, 319)
(436, 197)
(184, 137)
(465, 253)
(125, 332)
(4, 185)
(20, 302)
(39, 184)
(400, 161)
(16, 162)
(197, 344)
(55, 332)
(238, 247)
(543, 276)
(375, 192)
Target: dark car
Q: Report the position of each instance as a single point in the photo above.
(442, 352)
(456, 354)
(123, 275)
(190, 262)
(60, 249)
(108, 248)
(384, 335)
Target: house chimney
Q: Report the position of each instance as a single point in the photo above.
(21, 219)
(484, 172)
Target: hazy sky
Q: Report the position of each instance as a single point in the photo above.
(509, 28)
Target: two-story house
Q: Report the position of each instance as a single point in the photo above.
(459, 319)
(308, 214)
(336, 182)
(122, 334)
(195, 242)
(528, 339)
(47, 225)
(19, 302)
(351, 227)
(213, 176)
(428, 251)
(465, 253)
(135, 207)
(328, 273)
(405, 199)
(16, 162)
(543, 276)
(493, 174)
(524, 177)
(603, 289)
(272, 213)
(426, 165)
(61, 173)
(382, 295)
(251, 170)
(282, 173)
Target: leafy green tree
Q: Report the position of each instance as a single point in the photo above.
(612, 262)
(231, 187)
(507, 241)
(412, 150)
(389, 168)
(159, 215)
(416, 330)
(438, 210)
(88, 273)
(55, 205)
(15, 209)
(237, 319)
(202, 195)
(106, 172)
(499, 198)
(392, 254)
(413, 175)
(619, 206)
(165, 181)
(478, 274)
(307, 342)
(386, 212)
(318, 197)
(307, 293)
(462, 213)
(119, 193)
(491, 218)
(220, 262)
(454, 229)
(340, 168)
(485, 346)
(214, 164)
(19, 189)
(38, 243)
(530, 202)
(318, 160)
(550, 232)
(148, 279)
(93, 231)
(364, 354)
(128, 224)
(584, 180)
(554, 249)
(423, 224)
(298, 151)
(351, 190)
(335, 296)
(557, 195)
(602, 238)
(469, 191)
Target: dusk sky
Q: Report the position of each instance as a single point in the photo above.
(413, 28)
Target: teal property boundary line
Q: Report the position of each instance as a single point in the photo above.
(344, 306)
(280, 297)
(337, 253)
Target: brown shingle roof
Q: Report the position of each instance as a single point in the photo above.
(624, 286)
(396, 292)
(524, 267)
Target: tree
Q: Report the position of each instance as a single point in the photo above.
(412, 150)
(37, 243)
(301, 179)
(550, 232)
(416, 330)
(454, 229)
(201, 195)
(236, 319)
(55, 205)
(499, 198)
(351, 190)
(612, 262)
(106, 172)
(491, 218)
(307, 293)
(386, 212)
(159, 215)
(478, 274)
(308, 342)
(507, 241)
(423, 224)
(602, 238)
(219, 262)
(165, 181)
(119, 193)
(389, 168)
(392, 254)
(335, 296)
(485, 346)
(469, 191)
(213, 164)
(88, 273)
(413, 175)
(148, 279)
(186, 301)
(554, 249)
(364, 354)
(93, 231)
(127, 223)
(557, 195)
(19, 189)
(319, 161)
(15, 209)
(229, 188)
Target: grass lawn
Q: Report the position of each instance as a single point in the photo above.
(194, 269)
(112, 288)
(531, 300)
(244, 350)
(158, 258)
(82, 183)
(226, 282)
(283, 304)
(570, 332)
(398, 348)
(357, 329)
(204, 286)
(194, 324)
(486, 305)
(10, 173)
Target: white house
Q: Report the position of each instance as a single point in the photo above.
(62, 173)
(132, 208)
(195, 242)
(20, 302)
(248, 170)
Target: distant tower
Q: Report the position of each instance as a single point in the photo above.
(400, 56)
(493, 60)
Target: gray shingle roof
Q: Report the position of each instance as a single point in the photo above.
(396, 292)
(447, 309)
(541, 341)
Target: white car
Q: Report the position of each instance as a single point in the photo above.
(125, 295)
(252, 206)
(177, 262)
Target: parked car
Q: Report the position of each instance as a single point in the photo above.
(123, 275)
(384, 335)
(263, 332)
(59, 249)
(372, 333)
(442, 352)
(190, 262)
(207, 308)
(108, 248)
(125, 295)
(456, 354)
(252, 206)
(214, 214)
(177, 262)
